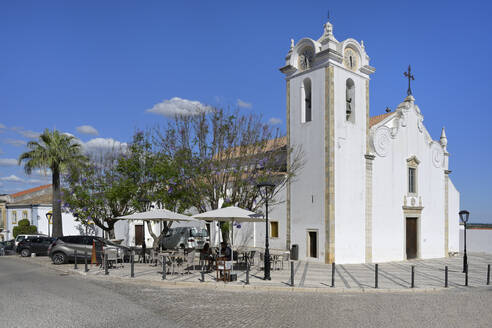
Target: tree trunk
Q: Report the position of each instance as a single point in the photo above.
(57, 215)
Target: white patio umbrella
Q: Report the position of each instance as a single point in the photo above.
(159, 214)
(230, 214)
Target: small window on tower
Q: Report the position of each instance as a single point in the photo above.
(307, 101)
(350, 100)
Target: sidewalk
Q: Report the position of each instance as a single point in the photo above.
(308, 276)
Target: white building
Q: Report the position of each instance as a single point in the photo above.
(32, 204)
(373, 189)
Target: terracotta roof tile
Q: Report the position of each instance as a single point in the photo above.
(376, 119)
(28, 191)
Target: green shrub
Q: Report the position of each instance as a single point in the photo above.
(24, 228)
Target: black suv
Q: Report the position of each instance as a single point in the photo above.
(63, 248)
(34, 244)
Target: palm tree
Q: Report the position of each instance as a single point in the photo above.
(55, 151)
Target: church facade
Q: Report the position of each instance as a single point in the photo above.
(372, 189)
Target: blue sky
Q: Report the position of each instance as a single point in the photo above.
(103, 64)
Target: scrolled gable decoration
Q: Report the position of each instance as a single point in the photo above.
(382, 141)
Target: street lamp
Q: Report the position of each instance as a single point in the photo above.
(267, 250)
(464, 218)
(49, 216)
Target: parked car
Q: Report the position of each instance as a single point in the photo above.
(34, 244)
(62, 250)
(8, 245)
(185, 237)
(20, 238)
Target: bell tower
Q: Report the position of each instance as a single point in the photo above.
(327, 117)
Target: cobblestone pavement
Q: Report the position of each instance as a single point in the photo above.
(429, 274)
(142, 303)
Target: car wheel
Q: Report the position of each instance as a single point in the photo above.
(25, 252)
(59, 258)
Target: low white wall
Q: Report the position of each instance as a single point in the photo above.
(477, 240)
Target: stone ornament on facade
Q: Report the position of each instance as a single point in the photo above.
(437, 154)
(382, 140)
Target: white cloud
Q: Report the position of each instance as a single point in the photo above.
(15, 142)
(178, 106)
(243, 104)
(103, 145)
(43, 173)
(87, 129)
(26, 133)
(37, 181)
(274, 121)
(8, 162)
(12, 178)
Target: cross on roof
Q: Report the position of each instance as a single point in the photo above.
(410, 77)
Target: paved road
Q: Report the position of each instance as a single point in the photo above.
(30, 294)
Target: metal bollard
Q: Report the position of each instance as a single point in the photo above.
(106, 269)
(247, 273)
(466, 276)
(376, 276)
(75, 264)
(132, 265)
(413, 277)
(164, 267)
(86, 269)
(292, 273)
(488, 274)
(446, 276)
(333, 274)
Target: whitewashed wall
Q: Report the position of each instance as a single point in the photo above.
(350, 147)
(454, 218)
(390, 180)
(307, 191)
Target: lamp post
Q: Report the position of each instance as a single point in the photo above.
(267, 250)
(49, 215)
(464, 215)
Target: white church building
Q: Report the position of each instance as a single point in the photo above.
(372, 189)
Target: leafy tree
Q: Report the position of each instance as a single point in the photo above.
(126, 181)
(24, 227)
(96, 191)
(228, 154)
(54, 151)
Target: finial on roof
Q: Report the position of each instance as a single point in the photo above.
(362, 44)
(291, 44)
(443, 139)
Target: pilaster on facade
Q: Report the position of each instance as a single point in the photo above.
(368, 208)
(288, 205)
(446, 212)
(329, 165)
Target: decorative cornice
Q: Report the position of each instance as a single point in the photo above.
(367, 69)
(412, 208)
(413, 159)
(331, 54)
(287, 69)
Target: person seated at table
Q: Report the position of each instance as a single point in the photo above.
(206, 255)
(226, 251)
(225, 259)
